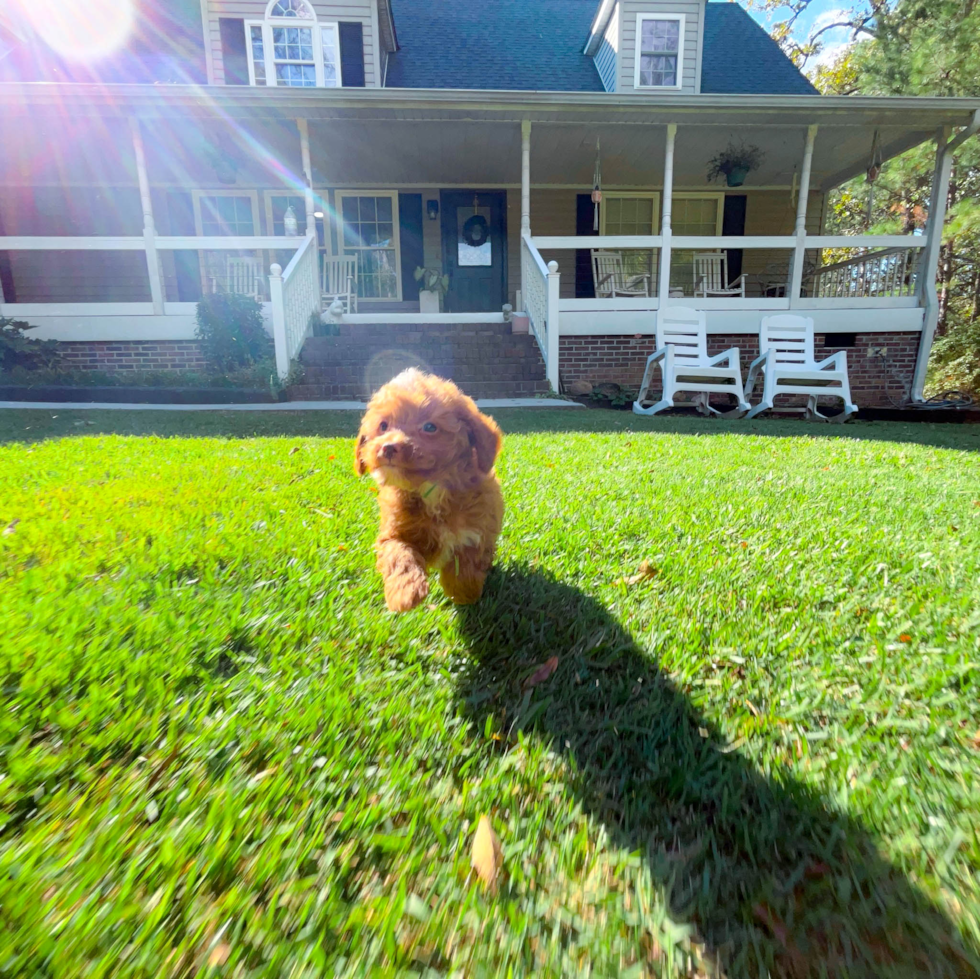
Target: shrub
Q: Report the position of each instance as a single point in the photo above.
(230, 330)
(23, 352)
(955, 360)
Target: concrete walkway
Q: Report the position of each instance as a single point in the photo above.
(275, 406)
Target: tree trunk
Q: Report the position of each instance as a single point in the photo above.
(975, 312)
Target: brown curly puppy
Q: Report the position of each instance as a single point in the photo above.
(431, 452)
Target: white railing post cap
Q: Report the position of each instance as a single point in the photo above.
(552, 266)
(275, 269)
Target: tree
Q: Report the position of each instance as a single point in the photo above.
(910, 47)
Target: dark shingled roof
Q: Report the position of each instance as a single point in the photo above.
(537, 45)
(740, 58)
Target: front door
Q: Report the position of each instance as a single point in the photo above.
(474, 235)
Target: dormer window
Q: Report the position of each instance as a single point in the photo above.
(659, 51)
(290, 48)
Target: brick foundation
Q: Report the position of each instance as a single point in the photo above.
(133, 355)
(622, 359)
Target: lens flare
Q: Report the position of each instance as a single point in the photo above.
(82, 30)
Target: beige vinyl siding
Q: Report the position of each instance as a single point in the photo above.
(352, 10)
(773, 212)
(691, 10)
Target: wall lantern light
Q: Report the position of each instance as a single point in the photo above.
(432, 209)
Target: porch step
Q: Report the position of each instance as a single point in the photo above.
(485, 360)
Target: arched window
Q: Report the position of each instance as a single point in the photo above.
(290, 48)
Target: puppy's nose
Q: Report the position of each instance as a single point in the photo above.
(389, 450)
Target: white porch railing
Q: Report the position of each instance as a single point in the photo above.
(540, 283)
(887, 273)
(295, 297)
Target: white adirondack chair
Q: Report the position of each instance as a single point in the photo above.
(611, 280)
(339, 282)
(711, 276)
(243, 275)
(682, 353)
(788, 366)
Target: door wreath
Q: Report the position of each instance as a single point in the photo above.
(476, 231)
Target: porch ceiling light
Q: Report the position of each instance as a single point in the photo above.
(318, 214)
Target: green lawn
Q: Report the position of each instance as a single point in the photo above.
(221, 755)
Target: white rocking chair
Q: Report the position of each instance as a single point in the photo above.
(610, 280)
(682, 353)
(711, 276)
(339, 282)
(786, 345)
(244, 276)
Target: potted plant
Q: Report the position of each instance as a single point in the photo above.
(433, 285)
(735, 163)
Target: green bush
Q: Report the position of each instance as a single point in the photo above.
(955, 360)
(18, 351)
(230, 330)
(254, 378)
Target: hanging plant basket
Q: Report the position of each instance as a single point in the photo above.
(736, 176)
(735, 163)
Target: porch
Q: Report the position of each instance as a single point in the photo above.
(392, 177)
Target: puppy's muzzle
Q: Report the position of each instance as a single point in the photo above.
(393, 450)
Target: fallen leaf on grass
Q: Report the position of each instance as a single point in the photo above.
(646, 571)
(904, 637)
(976, 740)
(486, 854)
(294, 450)
(219, 954)
(11, 527)
(542, 672)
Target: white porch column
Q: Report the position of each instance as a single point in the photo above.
(799, 256)
(278, 320)
(149, 229)
(929, 263)
(304, 145)
(553, 342)
(525, 196)
(663, 285)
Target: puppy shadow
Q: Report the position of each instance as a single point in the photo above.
(772, 880)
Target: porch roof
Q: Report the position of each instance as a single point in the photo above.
(397, 136)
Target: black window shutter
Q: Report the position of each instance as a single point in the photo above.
(234, 53)
(352, 54)
(410, 230)
(584, 220)
(733, 223)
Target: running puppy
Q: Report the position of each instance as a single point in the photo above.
(431, 452)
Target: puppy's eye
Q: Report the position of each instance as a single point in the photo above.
(429, 427)
(383, 427)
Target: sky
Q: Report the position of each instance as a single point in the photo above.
(818, 13)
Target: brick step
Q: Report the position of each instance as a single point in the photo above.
(353, 391)
(486, 360)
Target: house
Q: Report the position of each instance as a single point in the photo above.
(549, 157)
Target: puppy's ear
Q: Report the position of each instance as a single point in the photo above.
(485, 436)
(359, 466)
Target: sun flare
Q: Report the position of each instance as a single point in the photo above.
(82, 30)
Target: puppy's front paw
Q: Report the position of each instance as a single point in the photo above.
(405, 591)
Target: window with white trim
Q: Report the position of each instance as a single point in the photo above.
(692, 214)
(659, 61)
(290, 48)
(369, 231)
(633, 214)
